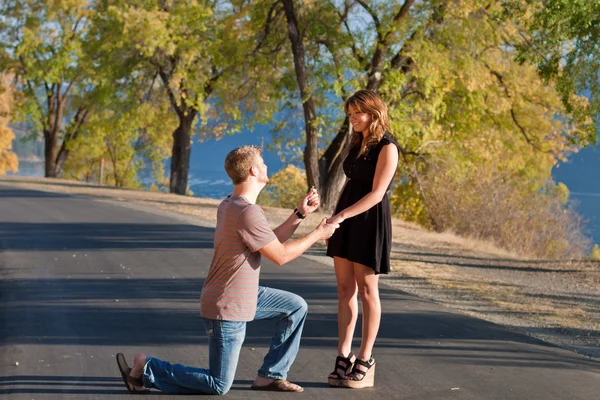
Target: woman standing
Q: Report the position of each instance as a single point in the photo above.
(361, 246)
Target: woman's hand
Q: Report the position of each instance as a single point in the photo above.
(336, 219)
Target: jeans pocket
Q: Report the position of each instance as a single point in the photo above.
(210, 328)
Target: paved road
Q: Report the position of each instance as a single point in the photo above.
(83, 278)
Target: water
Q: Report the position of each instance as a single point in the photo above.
(207, 176)
(27, 168)
(581, 175)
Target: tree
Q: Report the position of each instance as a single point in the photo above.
(129, 135)
(8, 159)
(562, 39)
(42, 45)
(446, 70)
(197, 53)
(325, 28)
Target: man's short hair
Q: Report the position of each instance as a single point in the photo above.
(239, 161)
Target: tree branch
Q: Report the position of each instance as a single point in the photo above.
(374, 69)
(66, 93)
(165, 78)
(512, 111)
(373, 14)
(336, 62)
(344, 20)
(402, 13)
(271, 16)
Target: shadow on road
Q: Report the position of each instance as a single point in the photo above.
(41, 384)
(161, 312)
(31, 194)
(94, 236)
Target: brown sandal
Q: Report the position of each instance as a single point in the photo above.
(130, 382)
(343, 364)
(358, 378)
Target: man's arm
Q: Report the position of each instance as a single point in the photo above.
(281, 253)
(287, 228)
(307, 205)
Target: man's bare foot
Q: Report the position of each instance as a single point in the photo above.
(279, 385)
(139, 361)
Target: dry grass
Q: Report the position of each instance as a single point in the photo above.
(510, 211)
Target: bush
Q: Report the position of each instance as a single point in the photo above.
(512, 212)
(285, 188)
(595, 253)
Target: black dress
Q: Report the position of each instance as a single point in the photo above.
(365, 238)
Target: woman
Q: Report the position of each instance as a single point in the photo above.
(361, 246)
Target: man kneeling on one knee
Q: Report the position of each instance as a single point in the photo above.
(231, 295)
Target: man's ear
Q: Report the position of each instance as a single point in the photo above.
(254, 170)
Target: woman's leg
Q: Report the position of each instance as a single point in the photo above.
(347, 304)
(368, 289)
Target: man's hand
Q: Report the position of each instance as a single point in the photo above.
(310, 202)
(325, 229)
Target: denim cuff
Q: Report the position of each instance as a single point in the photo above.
(271, 377)
(146, 375)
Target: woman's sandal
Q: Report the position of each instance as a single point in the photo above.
(361, 378)
(343, 365)
(131, 383)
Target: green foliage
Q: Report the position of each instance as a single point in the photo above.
(195, 50)
(128, 138)
(43, 46)
(562, 39)
(285, 189)
(407, 203)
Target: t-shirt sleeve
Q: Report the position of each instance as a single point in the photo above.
(254, 228)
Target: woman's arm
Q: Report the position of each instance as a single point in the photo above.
(384, 172)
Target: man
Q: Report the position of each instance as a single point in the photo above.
(231, 295)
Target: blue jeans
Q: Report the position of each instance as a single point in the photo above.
(225, 340)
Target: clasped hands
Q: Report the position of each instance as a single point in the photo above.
(311, 203)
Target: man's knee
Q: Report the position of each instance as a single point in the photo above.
(296, 304)
(222, 388)
(302, 306)
(221, 391)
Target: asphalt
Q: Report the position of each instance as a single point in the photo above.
(83, 279)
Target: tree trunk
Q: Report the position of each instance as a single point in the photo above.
(180, 154)
(311, 151)
(74, 130)
(331, 171)
(50, 150)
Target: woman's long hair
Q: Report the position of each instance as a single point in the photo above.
(367, 101)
